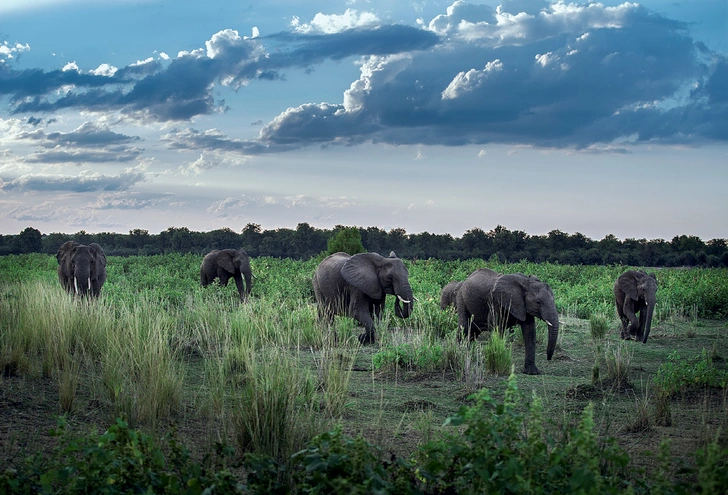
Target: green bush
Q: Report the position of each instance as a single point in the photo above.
(678, 375)
(347, 240)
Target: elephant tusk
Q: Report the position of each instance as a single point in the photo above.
(75, 284)
(404, 301)
(548, 323)
(89, 283)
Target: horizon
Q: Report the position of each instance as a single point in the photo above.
(592, 118)
(263, 229)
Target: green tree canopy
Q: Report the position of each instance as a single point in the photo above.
(347, 240)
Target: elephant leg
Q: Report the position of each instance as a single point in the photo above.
(529, 340)
(629, 319)
(223, 276)
(464, 323)
(241, 288)
(359, 309)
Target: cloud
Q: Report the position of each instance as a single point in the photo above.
(89, 143)
(177, 89)
(209, 160)
(328, 24)
(84, 182)
(559, 75)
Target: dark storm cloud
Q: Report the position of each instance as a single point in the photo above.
(183, 88)
(382, 40)
(79, 184)
(569, 76)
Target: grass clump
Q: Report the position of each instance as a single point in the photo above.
(598, 327)
(498, 354)
(617, 365)
(409, 356)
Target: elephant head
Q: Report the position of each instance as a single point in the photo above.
(641, 288)
(81, 269)
(376, 276)
(525, 297)
(448, 295)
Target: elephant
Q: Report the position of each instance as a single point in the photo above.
(449, 294)
(224, 264)
(488, 300)
(357, 286)
(635, 292)
(81, 269)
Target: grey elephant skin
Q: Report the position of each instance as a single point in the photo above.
(448, 295)
(635, 291)
(357, 286)
(225, 264)
(488, 300)
(81, 269)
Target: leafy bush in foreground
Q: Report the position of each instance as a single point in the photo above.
(494, 448)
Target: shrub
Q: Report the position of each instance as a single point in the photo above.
(347, 240)
(677, 375)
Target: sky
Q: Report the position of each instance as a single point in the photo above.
(598, 118)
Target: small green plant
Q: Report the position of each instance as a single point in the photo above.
(598, 326)
(677, 375)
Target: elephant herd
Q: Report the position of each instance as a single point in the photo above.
(357, 286)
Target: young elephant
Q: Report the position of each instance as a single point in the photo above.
(635, 292)
(81, 269)
(448, 295)
(224, 264)
(357, 286)
(488, 300)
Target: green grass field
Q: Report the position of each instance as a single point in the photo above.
(264, 377)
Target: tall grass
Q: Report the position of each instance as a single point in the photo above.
(268, 360)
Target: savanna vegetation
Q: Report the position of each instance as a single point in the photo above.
(162, 386)
(305, 241)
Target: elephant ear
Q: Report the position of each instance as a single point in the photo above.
(628, 283)
(98, 253)
(360, 272)
(225, 261)
(65, 249)
(509, 292)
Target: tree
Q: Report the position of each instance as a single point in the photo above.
(29, 241)
(347, 240)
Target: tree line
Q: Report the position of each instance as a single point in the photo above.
(306, 241)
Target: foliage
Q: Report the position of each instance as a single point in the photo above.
(489, 447)
(504, 448)
(678, 375)
(346, 240)
(121, 460)
(305, 242)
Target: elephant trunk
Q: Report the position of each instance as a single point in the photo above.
(552, 320)
(404, 304)
(648, 321)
